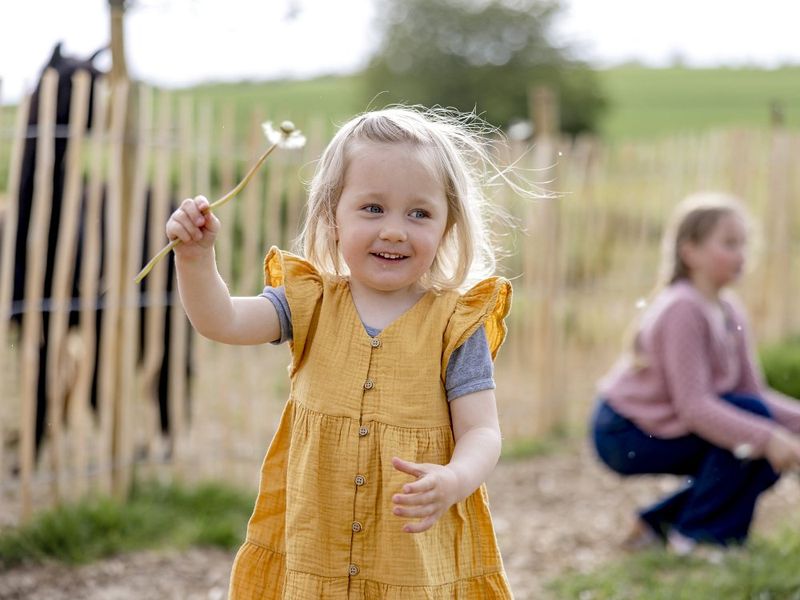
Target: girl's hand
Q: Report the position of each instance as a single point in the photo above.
(192, 225)
(427, 498)
(783, 450)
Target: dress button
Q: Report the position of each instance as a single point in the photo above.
(360, 480)
(376, 343)
(357, 527)
(353, 570)
(363, 430)
(369, 384)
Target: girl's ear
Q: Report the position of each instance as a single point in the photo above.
(687, 252)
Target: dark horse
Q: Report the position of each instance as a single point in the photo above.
(66, 67)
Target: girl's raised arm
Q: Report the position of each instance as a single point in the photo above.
(204, 295)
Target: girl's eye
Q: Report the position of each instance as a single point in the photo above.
(373, 208)
(418, 213)
(734, 244)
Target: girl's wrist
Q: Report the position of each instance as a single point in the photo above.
(460, 487)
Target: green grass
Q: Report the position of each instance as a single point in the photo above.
(643, 102)
(767, 570)
(156, 515)
(332, 99)
(646, 103)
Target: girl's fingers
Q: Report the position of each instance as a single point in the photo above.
(414, 499)
(212, 223)
(202, 203)
(178, 230)
(414, 512)
(407, 467)
(424, 484)
(420, 526)
(194, 211)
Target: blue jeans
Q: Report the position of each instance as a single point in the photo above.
(716, 505)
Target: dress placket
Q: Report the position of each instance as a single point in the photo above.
(362, 492)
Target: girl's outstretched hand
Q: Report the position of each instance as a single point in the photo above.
(783, 450)
(193, 224)
(427, 498)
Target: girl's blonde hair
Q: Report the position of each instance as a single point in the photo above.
(458, 146)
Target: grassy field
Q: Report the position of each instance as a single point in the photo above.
(647, 103)
(766, 570)
(643, 103)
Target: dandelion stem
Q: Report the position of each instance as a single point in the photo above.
(216, 204)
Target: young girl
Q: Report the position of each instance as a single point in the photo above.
(690, 400)
(373, 484)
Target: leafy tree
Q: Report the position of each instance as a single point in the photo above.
(480, 54)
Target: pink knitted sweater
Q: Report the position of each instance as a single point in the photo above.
(689, 353)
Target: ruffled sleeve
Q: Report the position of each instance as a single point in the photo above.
(303, 286)
(487, 303)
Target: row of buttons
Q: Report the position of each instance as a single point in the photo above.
(360, 480)
(369, 384)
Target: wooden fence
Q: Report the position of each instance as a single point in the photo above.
(581, 263)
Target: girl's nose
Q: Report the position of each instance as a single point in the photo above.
(393, 232)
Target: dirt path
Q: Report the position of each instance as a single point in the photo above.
(552, 513)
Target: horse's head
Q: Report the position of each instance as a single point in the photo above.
(66, 67)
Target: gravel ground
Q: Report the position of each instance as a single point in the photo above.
(552, 513)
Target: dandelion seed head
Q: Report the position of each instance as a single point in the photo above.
(286, 136)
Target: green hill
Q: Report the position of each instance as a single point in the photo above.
(643, 102)
(654, 102)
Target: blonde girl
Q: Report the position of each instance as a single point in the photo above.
(373, 484)
(690, 398)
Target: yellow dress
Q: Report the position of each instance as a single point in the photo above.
(323, 526)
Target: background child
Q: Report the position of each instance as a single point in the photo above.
(372, 485)
(690, 399)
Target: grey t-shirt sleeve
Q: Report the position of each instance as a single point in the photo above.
(469, 369)
(278, 298)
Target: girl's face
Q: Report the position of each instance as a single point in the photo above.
(391, 217)
(718, 260)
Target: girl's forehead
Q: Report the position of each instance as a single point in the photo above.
(361, 147)
(425, 156)
(731, 222)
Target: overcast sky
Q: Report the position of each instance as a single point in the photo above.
(180, 42)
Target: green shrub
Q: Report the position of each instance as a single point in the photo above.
(781, 364)
(155, 515)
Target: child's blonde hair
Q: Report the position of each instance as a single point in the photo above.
(458, 146)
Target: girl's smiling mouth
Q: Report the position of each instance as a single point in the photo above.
(388, 255)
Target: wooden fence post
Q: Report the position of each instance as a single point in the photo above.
(109, 343)
(36, 249)
(64, 270)
(777, 291)
(178, 344)
(543, 260)
(9, 229)
(85, 435)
